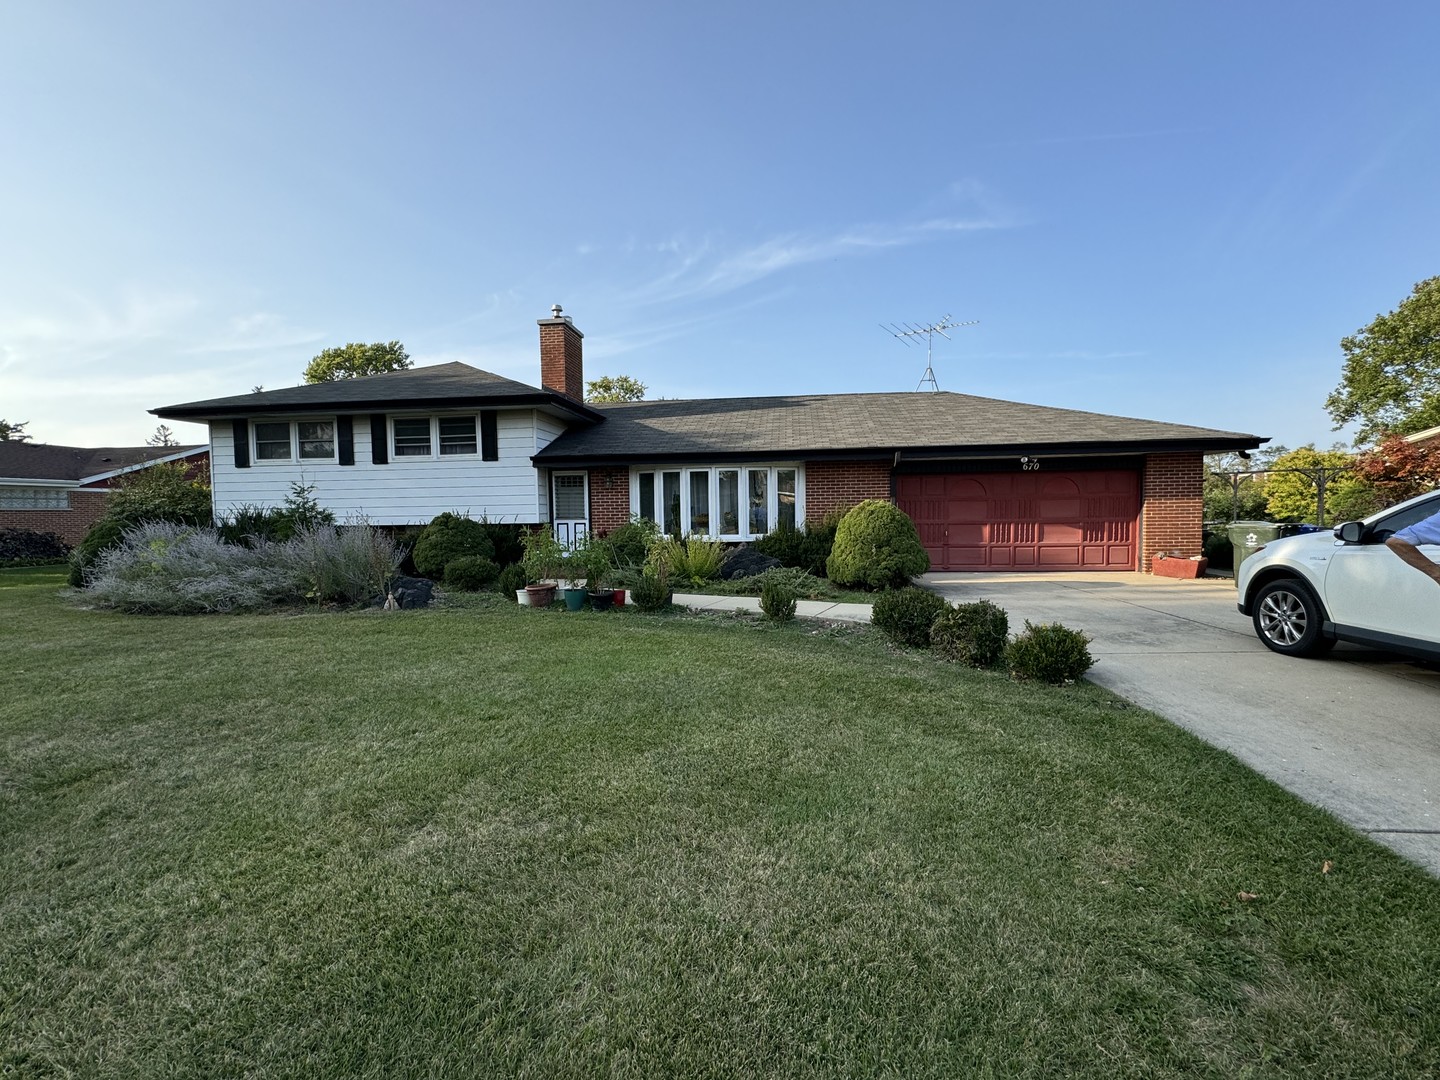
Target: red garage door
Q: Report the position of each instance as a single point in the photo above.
(1026, 521)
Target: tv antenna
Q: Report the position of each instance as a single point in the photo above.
(905, 332)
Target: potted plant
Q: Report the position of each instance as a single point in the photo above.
(544, 561)
(598, 567)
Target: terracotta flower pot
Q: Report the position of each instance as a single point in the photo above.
(541, 596)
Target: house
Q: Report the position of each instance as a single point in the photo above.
(992, 485)
(1430, 437)
(63, 489)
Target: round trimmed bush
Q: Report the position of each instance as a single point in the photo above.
(973, 634)
(876, 547)
(447, 538)
(1049, 653)
(511, 580)
(906, 615)
(470, 573)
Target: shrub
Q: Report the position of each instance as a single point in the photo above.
(349, 565)
(27, 546)
(630, 542)
(777, 600)
(1048, 653)
(906, 615)
(694, 559)
(250, 525)
(804, 549)
(301, 512)
(471, 573)
(161, 568)
(447, 538)
(651, 592)
(505, 539)
(973, 634)
(104, 534)
(877, 547)
(511, 580)
(801, 582)
(169, 491)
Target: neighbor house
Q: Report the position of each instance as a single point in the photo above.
(64, 489)
(992, 485)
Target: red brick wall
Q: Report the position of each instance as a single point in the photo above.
(1173, 510)
(609, 499)
(562, 367)
(838, 485)
(86, 508)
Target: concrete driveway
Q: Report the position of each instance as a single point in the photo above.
(1357, 732)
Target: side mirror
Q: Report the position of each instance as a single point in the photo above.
(1350, 533)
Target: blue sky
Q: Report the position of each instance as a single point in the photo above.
(1165, 210)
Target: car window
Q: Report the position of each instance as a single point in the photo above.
(1390, 524)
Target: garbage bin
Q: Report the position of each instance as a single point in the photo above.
(1246, 536)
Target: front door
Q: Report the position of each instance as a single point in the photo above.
(568, 501)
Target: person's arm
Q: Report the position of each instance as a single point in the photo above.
(1415, 557)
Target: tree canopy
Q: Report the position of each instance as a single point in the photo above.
(1399, 469)
(356, 359)
(163, 437)
(1292, 489)
(13, 432)
(615, 388)
(1391, 378)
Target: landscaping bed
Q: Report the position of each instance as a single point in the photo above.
(481, 840)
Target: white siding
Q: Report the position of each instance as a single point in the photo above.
(547, 430)
(404, 491)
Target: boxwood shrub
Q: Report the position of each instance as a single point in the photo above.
(471, 573)
(974, 634)
(1049, 653)
(906, 615)
(876, 547)
(447, 538)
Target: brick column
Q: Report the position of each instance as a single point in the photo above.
(609, 499)
(836, 486)
(1172, 518)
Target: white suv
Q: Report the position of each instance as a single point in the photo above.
(1309, 591)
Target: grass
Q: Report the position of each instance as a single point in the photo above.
(487, 841)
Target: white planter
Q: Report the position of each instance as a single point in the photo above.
(522, 597)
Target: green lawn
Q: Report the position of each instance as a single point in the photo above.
(488, 841)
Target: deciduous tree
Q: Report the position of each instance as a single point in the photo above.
(1399, 469)
(609, 388)
(356, 359)
(1292, 489)
(1391, 378)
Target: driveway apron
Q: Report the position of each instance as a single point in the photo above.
(1357, 732)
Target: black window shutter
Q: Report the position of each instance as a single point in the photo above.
(489, 437)
(379, 439)
(241, 429)
(345, 439)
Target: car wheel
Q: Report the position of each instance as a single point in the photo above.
(1288, 619)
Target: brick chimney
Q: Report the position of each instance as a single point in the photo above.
(561, 366)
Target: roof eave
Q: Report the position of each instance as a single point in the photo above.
(239, 411)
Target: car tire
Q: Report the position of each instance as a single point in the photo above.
(1288, 619)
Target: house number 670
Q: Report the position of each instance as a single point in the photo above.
(1030, 464)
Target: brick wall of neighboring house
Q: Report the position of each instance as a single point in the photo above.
(1174, 506)
(832, 486)
(86, 508)
(609, 499)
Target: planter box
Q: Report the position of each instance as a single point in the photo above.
(1178, 568)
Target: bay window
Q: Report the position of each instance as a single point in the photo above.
(739, 503)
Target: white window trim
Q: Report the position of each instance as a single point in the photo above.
(434, 419)
(772, 492)
(294, 425)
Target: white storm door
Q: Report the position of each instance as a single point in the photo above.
(1367, 586)
(569, 500)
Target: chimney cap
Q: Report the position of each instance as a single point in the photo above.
(559, 318)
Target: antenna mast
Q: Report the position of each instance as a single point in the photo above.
(930, 330)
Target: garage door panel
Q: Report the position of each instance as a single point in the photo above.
(1081, 520)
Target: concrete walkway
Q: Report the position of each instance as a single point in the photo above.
(805, 609)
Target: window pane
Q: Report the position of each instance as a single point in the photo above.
(784, 498)
(23, 498)
(729, 502)
(317, 438)
(272, 442)
(700, 503)
(570, 497)
(759, 504)
(647, 496)
(412, 437)
(670, 482)
(457, 435)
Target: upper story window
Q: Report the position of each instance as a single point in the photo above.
(294, 440)
(439, 436)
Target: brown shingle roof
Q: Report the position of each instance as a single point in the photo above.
(861, 424)
(453, 385)
(42, 461)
